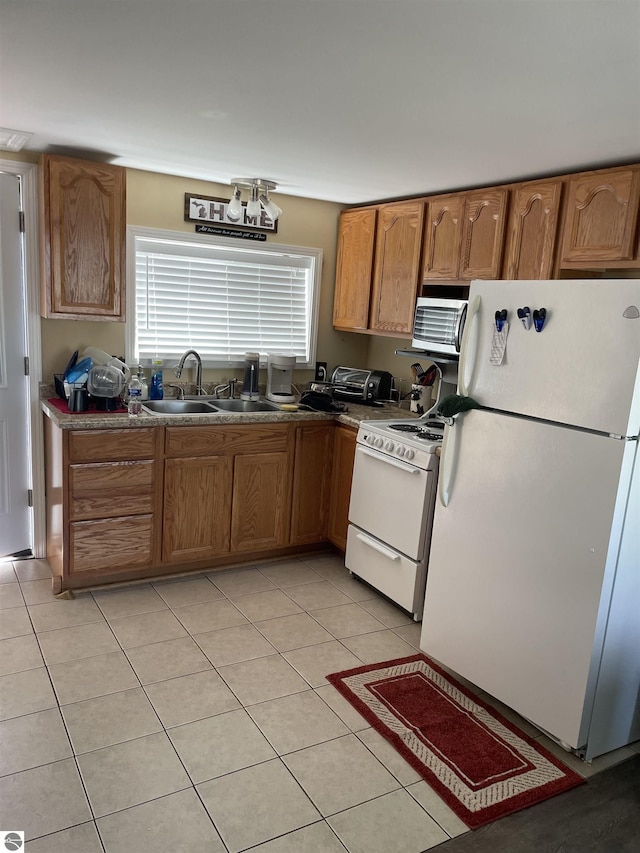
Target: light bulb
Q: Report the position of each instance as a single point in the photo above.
(234, 208)
(253, 205)
(271, 208)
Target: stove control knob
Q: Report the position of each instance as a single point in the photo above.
(368, 439)
(379, 442)
(409, 454)
(389, 447)
(400, 450)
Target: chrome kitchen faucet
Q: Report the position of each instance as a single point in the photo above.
(180, 365)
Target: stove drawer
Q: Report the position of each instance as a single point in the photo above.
(400, 579)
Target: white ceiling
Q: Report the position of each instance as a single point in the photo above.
(344, 100)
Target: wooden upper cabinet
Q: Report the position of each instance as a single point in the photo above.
(354, 268)
(84, 219)
(397, 267)
(601, 216)
(442, 238)
(485, 213)
(533, 225)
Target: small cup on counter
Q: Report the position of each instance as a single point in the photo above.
(78, 400)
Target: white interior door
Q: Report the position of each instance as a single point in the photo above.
(15, 514)
(517, 562)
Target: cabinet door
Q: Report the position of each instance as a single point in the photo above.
(397, 267)
(344, 451)
(84, 238)
(197, 508)
(442, 238)
(354, 269)
(533, 224)
(601, 217)
(261, 500)
(311, 483)
(485, 214)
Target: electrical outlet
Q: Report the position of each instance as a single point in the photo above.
(321, 371)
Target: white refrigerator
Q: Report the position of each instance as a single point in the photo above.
(533, 583)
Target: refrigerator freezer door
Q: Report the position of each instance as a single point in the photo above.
(517, 563)
(581, 369)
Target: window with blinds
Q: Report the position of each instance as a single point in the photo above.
(221, 300)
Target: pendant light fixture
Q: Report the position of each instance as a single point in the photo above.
(259, 190)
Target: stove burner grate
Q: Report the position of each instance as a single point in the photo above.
(428, 436)
(405, 427)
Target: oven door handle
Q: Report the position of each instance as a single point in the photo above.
(389, 460)
(386, 552)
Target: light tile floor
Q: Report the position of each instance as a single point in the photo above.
(194, 715)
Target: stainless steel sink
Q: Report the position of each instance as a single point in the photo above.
(178, 407)
(208, 406)
(247, 406)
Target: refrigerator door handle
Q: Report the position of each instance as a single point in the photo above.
(464, 353)
(444, 492)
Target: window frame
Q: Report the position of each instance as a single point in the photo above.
(207, 240)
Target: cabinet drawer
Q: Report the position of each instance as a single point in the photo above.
(109, 489)
(210, 440)
(116, 545)
(111, 444)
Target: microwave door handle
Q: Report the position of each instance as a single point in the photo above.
(463, 386)
(456, 334)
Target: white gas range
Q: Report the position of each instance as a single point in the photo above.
(391, 510)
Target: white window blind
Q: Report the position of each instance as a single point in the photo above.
(221, 300)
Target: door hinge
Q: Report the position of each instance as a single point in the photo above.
(26, 365)
(21, 220)
(29, 497)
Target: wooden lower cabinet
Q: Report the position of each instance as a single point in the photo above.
(131, 503)
(197, 508)
(344, 451)
(261, 494)
(311, 483)
(103, 497)
(111, 545)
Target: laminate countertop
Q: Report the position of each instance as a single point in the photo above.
(121, 420)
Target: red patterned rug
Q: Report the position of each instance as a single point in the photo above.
(481, 764)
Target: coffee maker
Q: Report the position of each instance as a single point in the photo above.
(279, 375)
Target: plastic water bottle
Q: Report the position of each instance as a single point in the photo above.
(134, 406)
(156, 391)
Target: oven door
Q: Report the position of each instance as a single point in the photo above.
(392, 500)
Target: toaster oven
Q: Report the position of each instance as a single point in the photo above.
(361, 386)
(438, 325)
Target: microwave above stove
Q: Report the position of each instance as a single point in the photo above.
(438, 325)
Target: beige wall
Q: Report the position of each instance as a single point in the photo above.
(157, 201)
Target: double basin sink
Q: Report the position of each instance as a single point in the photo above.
(208, 406)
